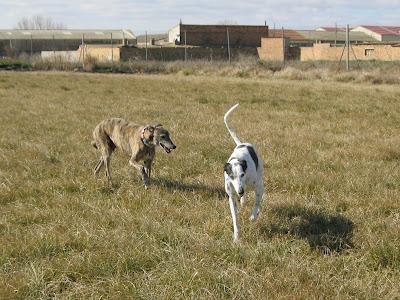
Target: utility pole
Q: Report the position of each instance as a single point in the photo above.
(229, 48)
(348, 48)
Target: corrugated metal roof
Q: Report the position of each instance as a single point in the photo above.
(315, 35)
(66, 34)
(383, 30)
(332, 29)
(331, 36)
(288, 33)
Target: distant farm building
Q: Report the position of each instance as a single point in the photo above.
(285, 44)
(217, 35)
(331, 29)
(35, 41)
(372, 51)
(380, 33)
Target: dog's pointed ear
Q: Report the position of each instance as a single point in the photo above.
(228, 169)
(158, 125)
(243, 163)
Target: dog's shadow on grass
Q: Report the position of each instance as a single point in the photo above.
(174, 185)
(323, 230)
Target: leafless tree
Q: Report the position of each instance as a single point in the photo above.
(39, 22)
(227, 22)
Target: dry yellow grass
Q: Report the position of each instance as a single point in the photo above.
(330, 223)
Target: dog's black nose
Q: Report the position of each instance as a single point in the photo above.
(173, 147)
(241, 192)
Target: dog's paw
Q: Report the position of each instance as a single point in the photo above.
(253, 217)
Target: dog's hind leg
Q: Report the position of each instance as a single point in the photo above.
(107, 160)
(232, 205)
(257, 205)
(106, 157)
(98, 167)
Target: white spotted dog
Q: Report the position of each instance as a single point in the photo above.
(243, 171)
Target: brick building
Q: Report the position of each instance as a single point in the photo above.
(216, 35)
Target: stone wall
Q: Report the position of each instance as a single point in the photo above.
(178, 53)
(361, 52)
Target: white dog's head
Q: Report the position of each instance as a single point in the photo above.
(236, 171)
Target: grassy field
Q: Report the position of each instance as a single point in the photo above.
(329, 226)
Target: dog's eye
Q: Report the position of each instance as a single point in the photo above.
(241, 175)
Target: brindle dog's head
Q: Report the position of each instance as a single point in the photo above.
(157, 135)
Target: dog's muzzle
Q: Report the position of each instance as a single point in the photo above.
(241, 192)
(168, 150)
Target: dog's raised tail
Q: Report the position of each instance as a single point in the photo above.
(231, 130)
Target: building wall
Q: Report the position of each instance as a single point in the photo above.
(390, 38)
(216, 35)
(361, 52)
(273, 49)
(71, 56)
(101, 54)
(24, 46)
(178, 53)
(173, 34)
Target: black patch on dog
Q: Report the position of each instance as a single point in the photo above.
(243, 163)
(253, 155)
(241, 146)
(228, 169)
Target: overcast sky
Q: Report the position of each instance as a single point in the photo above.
(161, 15)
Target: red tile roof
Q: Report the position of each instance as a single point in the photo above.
(384, 30)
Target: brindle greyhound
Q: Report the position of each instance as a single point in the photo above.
(137, 141)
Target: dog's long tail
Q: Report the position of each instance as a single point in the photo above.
(231, 130)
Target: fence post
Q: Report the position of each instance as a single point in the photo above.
(348, 48)
(284, 45)
(83, 50)
(185, 48)
(31, 47)
(54, 51)
(112, 50)
(229, 48)
(146, 46)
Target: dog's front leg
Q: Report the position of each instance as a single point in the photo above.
(232, 205)
(257, 205)
(147, 167)
(243, 200)
(141, 169)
